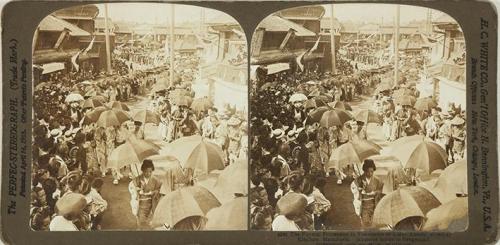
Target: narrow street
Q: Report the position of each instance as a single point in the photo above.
(342, 216)
(119, 216)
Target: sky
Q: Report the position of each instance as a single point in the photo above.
(159, 13)
(379, 12)
(152, 13)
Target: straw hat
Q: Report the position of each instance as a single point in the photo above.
(68, 133)
(278, 133)
(233, 121)
(457, 121)
(292, 135)
(292, 204)
(222, 115)
(56, 133)
(71, 203)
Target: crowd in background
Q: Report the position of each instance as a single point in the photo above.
(290, 149)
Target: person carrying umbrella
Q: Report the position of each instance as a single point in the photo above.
(358, 130)
(188, 125)
(403, 117)
(138, 130)
(367, 191)
(145, 193)
(234, 138)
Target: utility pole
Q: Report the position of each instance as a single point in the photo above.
(106, 33)
(396, 46)
(172, 41)
(332, 42)
(202, 34)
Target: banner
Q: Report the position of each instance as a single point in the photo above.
(73, 61)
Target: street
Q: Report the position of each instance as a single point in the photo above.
(342, 216)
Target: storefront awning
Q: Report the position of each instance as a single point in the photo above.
(54, 24)
(52, 67)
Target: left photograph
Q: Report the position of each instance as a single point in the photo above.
(139, 119)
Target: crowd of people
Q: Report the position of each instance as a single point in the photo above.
(291, 149)
(71, 152)
(446, 126)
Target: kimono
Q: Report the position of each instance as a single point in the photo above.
(324, 146)
(431, 128)
(459, 137)
(100, 140)
(163, 127)
(444, 138)
(207, 128)
(315, 156)
(234, 143)
(188, 127)
(92, 161)
(362, 189)
(222, 136)
(139, 133)
(400, 124)
(145, 194)
(176, 178)
(387, 126)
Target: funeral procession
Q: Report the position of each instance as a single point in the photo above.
(357, 120)
(132, 129)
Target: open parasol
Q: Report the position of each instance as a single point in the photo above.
(352, 152)
(450, 217)
(157, 87)
(183, 101)
(367, 116)
(197, 153)
(316, 114)
(405, 100)
(118, 105)
(92, 103)
(230, 216)
(112, 117)
(297, 98)
(403, 203)
(133, 151)
(183, 203)
(232, 180)
(451, 181)
(74, 97)
(340, 105)
(402, 92)
(425, 104)
(420, 153)
(314, 103)
(100, 98)
(93, 115)
(201, 104)
(335, 117)
(383, 87)
(146, 116)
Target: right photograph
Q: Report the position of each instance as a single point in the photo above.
(358, 120)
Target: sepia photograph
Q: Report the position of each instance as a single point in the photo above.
(358, 120)
(133, 128)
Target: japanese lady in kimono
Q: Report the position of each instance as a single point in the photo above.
(145, 194)
(367, 191)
